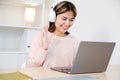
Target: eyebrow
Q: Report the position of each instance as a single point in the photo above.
(70, 18)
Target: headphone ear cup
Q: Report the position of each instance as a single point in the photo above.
(52, 15)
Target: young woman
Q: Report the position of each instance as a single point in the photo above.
(55, 46)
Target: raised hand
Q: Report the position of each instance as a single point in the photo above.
(44, 41)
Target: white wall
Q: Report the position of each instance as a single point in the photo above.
(98, 20)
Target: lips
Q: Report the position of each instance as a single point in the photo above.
(64, 28)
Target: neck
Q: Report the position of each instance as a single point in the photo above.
(59, 34)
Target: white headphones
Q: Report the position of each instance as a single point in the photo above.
(52, 14)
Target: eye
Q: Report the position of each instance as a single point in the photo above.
(64, 18)
(71, 20)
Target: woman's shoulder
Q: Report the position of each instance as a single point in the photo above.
(72, 37)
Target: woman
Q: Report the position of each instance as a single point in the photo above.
(55, 46)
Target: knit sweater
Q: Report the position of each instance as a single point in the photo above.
(48, 50)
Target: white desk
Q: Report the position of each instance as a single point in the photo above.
(112, 73)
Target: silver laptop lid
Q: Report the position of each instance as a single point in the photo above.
(92, 57)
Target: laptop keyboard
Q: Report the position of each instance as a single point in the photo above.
(62, 69)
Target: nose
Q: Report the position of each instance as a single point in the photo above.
(67, 23)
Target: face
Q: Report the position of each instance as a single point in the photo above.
(63, 22)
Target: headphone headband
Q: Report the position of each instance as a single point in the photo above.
(52, 14)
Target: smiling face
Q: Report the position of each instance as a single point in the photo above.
(63, 22)
(65, 14)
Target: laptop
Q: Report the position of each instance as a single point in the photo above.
(92, 57)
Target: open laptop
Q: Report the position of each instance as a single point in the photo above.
(92, 57)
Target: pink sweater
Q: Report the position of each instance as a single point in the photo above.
(48, 50)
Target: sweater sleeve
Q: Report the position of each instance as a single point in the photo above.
(38, 51)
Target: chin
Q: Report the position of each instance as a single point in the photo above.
(63, 30)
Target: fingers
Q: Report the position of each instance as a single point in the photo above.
(44, 42)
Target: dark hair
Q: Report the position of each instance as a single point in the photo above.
(60, 8)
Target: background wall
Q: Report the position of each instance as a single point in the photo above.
(98, 20)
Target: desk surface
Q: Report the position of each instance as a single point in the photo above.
(112, 73)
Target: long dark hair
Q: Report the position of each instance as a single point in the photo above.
(60, 8)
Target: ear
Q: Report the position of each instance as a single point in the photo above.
(52, 15)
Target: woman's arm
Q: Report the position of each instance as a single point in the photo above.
(38, 50)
